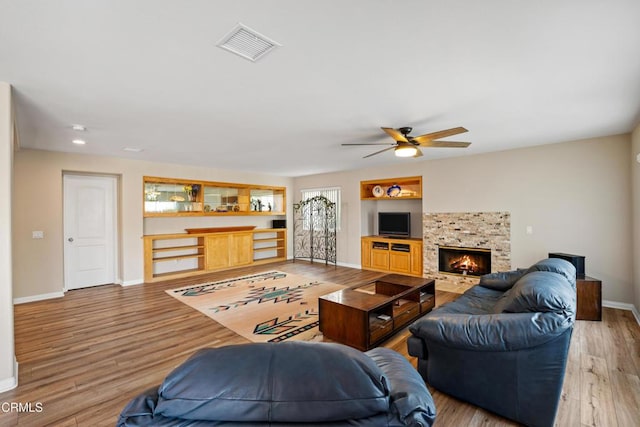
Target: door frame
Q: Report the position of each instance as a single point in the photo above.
(115, 212)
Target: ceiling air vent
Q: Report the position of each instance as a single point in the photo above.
(247, 43)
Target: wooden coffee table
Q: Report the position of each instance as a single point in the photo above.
(364, 315)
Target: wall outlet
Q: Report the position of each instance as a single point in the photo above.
(37, 234)
(529, 229)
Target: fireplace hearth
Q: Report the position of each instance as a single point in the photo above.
(464, 261)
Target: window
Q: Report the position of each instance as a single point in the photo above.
(331, 193)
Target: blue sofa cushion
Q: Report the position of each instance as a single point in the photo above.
(502, 280)
(541, 292)
(556, 265)
(477, 300)
(300, 382)
(410, 398)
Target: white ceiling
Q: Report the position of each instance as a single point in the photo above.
(147, 74)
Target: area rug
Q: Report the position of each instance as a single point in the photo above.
(265, 307)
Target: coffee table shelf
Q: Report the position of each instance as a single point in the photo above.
(364, 315)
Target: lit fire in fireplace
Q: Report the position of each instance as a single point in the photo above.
(464, 264)
(459, 260)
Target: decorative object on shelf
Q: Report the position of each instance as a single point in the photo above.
(176, 198)
(192, 191)
(409, 188)
(256, 205)
(314, 229)
(207, 208)
(152, 193)
(394, 191)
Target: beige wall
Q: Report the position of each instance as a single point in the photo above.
(635, 177)
(8, 376)
(575, 195)
(38, 264)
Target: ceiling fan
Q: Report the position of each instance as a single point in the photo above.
(407, 146)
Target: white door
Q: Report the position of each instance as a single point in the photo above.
(89, 230)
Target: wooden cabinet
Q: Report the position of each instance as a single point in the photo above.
(240, 249)
(380, 259)
(181, 197)
(392, 188)
(227, 250)
(416, 259)
(589, 298)
(402, 256)
(374, 311)
(172, 256)
(399, 261)
(365, 254)
(217, 246)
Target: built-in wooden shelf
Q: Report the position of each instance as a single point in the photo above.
(206, 252)
(185, 197)
(409, 188)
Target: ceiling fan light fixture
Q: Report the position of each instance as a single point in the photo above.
(405, 150)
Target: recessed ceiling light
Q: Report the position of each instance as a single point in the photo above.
(79, 141)
(79, 128)
(133, 149)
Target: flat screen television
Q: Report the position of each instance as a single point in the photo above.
(394, 224)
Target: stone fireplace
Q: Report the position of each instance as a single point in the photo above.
(488, 233)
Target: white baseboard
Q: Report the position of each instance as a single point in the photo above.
(12, 382)
(344, 264)
(40, 297)
(623, 306)
(132, 282)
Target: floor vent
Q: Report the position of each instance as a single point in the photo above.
(247, 43)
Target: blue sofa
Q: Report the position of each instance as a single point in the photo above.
(503, 344)
(286, 384)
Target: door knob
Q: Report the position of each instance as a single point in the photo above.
(70, 239)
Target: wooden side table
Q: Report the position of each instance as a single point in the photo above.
(589, 294)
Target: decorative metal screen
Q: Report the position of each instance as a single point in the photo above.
(314, 230)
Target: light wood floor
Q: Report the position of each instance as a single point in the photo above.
(84, 356)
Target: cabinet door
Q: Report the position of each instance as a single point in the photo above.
(240, 249)
(365, 253)
(380, 259)
(217, 251)
(399, 262)
(416, 259)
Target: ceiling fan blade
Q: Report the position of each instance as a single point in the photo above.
(395, 134)
(439, 144)
(369, 143)
(378, 152)
(440, 134)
